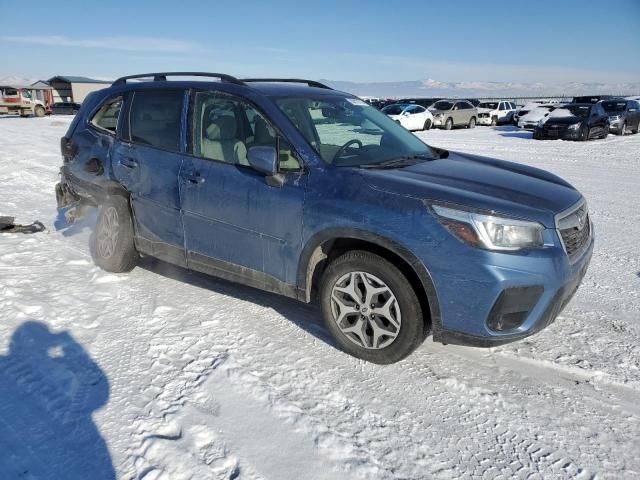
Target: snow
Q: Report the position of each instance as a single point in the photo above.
(166, 374)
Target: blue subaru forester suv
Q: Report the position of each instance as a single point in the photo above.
(292, 187)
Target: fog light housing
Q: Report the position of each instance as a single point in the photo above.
(513, 307)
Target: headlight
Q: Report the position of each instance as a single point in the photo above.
(574, 126)
(438, 115)
(541, 122)
(489, 231)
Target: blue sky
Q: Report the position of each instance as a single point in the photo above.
(512, 41)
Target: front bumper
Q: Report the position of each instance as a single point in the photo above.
(483, 120)
(563, 133)
(471, 293)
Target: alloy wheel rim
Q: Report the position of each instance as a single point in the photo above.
(366, 310)
(108, 231)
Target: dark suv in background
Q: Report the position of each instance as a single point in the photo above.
(292, 187)
(624, 115)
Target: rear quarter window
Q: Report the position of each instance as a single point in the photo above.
(106, 118)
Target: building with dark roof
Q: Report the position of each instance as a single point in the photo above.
(74, 89)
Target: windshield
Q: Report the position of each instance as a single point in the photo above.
(614, 106)
(489, 105)
(348, 132)
(578, 110)
(442, 105)
(394, 109)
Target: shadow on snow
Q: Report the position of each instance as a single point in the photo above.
(49, 387)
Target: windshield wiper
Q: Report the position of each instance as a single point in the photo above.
(399, 162)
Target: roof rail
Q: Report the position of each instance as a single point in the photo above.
(162, 76)
(311, 83)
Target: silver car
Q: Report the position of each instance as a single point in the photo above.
(453, 113)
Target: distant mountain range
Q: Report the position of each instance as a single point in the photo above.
(436, 88)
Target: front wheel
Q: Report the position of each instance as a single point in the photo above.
(623, 129)
(472, 122)
(494, 121)
(39, 111)
(370, 308)
(584, 133)
(448, 125)
(113, 248)
(427, 124)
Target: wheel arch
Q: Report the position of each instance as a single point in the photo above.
(328, 244)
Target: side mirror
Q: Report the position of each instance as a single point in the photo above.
(264, 159)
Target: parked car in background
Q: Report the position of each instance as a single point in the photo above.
(311, 193)
(453, 113)
(495, 112)
(411, 117)
(574, 121)
(533, 114)
(624, 115)
(473, 101)
(425, 102)
(590, 98)
(65, 108)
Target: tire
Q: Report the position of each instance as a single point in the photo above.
(448, 125)
(622, 130)
(403, 322)
(635, 130)
(112, 244)
(605, 132)
(427, 124)
(584, 133)
(494, 121)
(39, 111)
(472, 122)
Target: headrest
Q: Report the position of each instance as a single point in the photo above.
(262, 132)
(222, 128)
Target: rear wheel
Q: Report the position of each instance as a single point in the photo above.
(448, 125)
(113, 249)
(427, 124)
(370, 308)
(635, 130)
(472, 122)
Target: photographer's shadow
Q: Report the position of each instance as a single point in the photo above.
(49, 387)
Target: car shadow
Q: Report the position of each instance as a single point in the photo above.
(49, 388)
(305, 316)
(514, 132)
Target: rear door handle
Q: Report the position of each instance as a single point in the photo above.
(128, 162)
(194, 177)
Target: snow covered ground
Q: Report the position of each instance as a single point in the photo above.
(166, 374)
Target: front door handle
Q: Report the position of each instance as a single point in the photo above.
(128, 162)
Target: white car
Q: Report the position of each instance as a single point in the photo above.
(495, 112)
(530, 119)
(411, 117)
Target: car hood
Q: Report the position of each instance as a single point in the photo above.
(482, 183)
(569, 120)
(485, 110)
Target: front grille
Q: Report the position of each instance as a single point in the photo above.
(575, 230)
(483, 115)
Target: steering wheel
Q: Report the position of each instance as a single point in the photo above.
(344, 147)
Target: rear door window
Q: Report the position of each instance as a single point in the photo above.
(154, 118)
